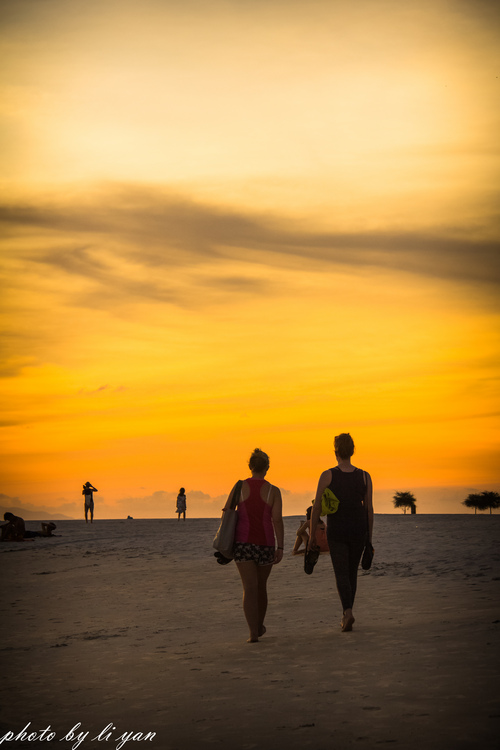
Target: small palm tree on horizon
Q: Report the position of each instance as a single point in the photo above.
(482, 501)
(405, 500)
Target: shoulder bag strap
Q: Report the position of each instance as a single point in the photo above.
(236, 494)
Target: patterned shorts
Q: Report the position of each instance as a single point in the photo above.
(257, 553)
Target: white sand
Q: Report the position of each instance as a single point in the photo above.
(133, 623)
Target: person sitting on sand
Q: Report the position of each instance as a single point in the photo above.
(258, 528)
(303, 535)
(88, 492)
(181, 504)
(48, 528)
(14, 529)
(350, 528)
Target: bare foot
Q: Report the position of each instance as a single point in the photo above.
(262, 630)
(347, 622)
(252, 639)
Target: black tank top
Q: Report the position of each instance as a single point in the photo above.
(350, 520)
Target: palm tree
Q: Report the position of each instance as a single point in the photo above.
(482, 501)
(405, 500)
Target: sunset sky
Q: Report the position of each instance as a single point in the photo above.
(248, 223)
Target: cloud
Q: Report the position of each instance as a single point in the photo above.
(118, 246)
(7, 499)
(101, 389)
(159, 504)
(128, 232)
(486, 12)
(162, 504)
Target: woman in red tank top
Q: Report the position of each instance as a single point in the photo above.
(258, 541)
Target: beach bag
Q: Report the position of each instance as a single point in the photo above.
(366, 560)
(224, 538)
(329, 503)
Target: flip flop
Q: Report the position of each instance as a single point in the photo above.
(310, 560)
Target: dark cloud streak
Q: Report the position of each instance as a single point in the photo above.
(155, 230)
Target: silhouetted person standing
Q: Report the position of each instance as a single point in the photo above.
(350, 528)
(88, 492)
(181, 504)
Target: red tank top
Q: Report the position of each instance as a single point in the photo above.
(255, 525)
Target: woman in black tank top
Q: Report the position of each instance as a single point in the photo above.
(350, 527)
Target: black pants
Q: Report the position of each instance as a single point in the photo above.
(346, 555)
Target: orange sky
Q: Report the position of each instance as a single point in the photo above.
(245, 224)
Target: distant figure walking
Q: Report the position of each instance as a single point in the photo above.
(258, 540)
(88, 492)
(350, 528)
(181, 504)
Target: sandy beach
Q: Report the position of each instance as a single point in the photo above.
(129, 628)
